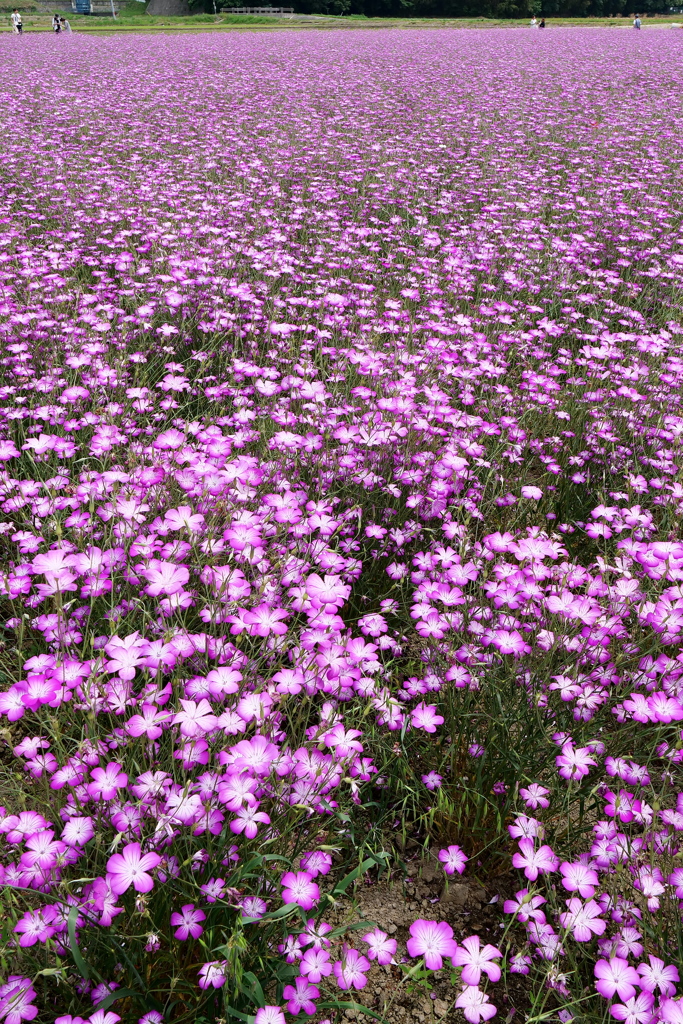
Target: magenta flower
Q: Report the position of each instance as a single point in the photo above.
(163, 577)
(300, 996)
(579, 878)
(583, 919)
(656, 976)
(475, 1005)
(380, 946)
(196, 718)
(269, 1015)
(351, 969)
(425, 716)
(534, 862)
(535, 796)
(132, 867)
(327, 593)
(298, 887)
(432, 780)
(212, 974)
(78, 831)
(186, 922)
(616, 977)
(247, 820)
(453, 859)
(671, 1011)
(473, 959)
(526, 906)
(637, 1010)
(264, 620)
(317, 862)
(36, 926)
(574, 762)
(214, 889)
(433, 940)
(315, 964)
(16, 1000)
(106, 782)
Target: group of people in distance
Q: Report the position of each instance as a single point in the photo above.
(59, 24)
(541, 24)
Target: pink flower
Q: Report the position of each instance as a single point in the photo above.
(36, 926)
(475, 1005)
(214, 889)
(16, 1000)
(264, 620)
(212, 974)
(186, 921)
(579, 878)
(78, 831)
(425, 716)
(150, 723)
(671, 1011)
(637, 1010)
(318, 862)
(535, 796)
(432, 780)
(616, 977)
(328, 593)
(299, 888)
(300, 996)
(534, 862)
(164, 577)
(655, 976)
(196, 718)
(453, 859)
(526, 907)
(573, 763)
(380, 946)
(315, 964)
(474, 960)
(131, 868)
(433, 940)
(350, 970)
(105, 782)
(269, 1015)
(583, 919)
(247, 820)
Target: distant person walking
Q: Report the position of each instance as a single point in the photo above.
(56, 27)
(17, 26)
(542, 23)
(637, 23)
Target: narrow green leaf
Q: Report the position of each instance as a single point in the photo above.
(274, 915)
(73, 944)
(254, 991)
(119, 993)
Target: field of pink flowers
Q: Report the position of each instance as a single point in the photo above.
(340, 436)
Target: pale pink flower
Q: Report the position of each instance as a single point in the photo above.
(433, 940)
(131, 867)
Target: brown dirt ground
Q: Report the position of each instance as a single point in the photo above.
(467, 905)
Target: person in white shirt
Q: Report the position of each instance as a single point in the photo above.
(16, 22)
(533, 23)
